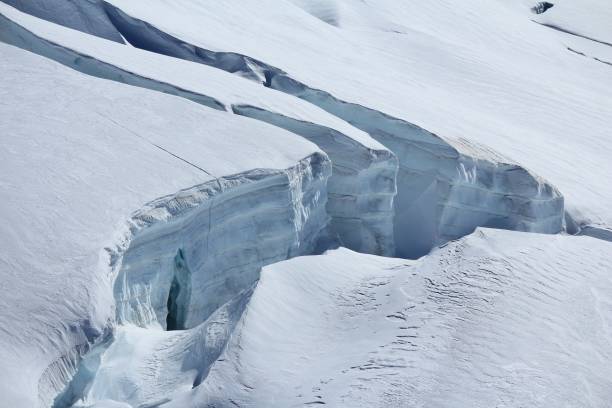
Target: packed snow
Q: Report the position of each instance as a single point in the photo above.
(495, 319)
(305, 202)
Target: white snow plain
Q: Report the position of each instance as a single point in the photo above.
(135, 224)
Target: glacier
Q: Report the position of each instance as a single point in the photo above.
(445, 189)
(452, 83)
(297, 203)
(362, 186)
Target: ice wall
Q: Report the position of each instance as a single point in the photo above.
(445, 189)
(190, 263)
(239, 224)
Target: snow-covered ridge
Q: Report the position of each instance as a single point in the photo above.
(362, 185)
(496, 317)
(445, 189)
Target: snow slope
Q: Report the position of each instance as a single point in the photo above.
(87, 164)
(495, 319)
(444, 189)
(363, 184)
(481, 71)
(155, 156)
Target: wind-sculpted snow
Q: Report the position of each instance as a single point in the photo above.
(496, 318)
(362, 186)
(81, 156)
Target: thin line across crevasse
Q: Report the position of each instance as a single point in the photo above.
(156, 145)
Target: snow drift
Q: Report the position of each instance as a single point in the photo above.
(495, 318)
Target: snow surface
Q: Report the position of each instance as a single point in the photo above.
(480, 70)
(135, 224)
(363, 185)
(444, 189)
(495, 319)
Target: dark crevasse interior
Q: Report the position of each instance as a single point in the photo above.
(87, 16)
(179, 295)
(541, 7)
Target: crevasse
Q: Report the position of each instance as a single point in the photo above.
(360, 190)
(190, 259)
(445, 189)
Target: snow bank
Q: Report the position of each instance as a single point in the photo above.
(496, 317)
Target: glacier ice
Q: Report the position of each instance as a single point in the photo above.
(87, 16)
(135, 224)
(445, 189)
(438, 67)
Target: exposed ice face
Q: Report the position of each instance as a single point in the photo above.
(87, 16)
(362, 187)
(215, 248)
(444, 190)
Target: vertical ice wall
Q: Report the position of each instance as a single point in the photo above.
(192, 262)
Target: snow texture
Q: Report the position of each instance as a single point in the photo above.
(495, 319)
(155, 156)
(482, 72)
(362, 186)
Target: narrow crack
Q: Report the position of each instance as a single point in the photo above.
(563, 30)
(155, 145)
